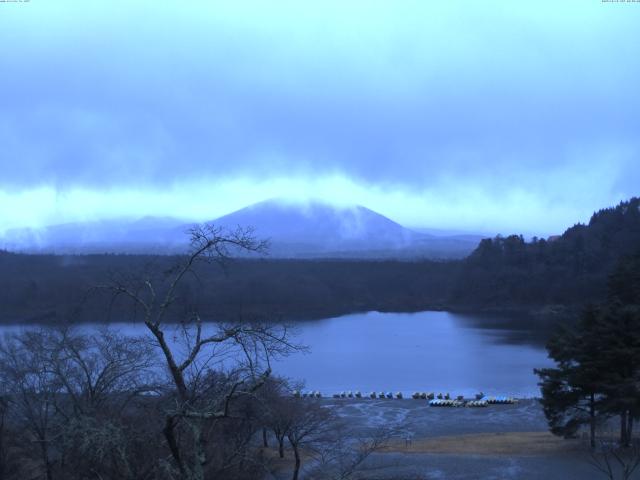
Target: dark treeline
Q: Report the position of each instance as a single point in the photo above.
(502, 273)
(51, 288)
(570, 270)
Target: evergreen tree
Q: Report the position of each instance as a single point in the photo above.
(598, 362)
(618, 331)
(624, 282)
(571, 392)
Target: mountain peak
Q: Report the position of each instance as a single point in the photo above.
(319, 223)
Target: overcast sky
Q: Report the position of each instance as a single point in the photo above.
(488, 116)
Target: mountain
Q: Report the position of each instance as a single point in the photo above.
(144, 235)
(317, 229)
(300, 230)
(318, 226)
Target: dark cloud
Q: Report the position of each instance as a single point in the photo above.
(413, 98)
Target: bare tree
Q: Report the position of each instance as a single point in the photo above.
(614, 461)
(93, 403)
(192, 351)
(310, 424)
(314, 431)
(101, 375)
(70, 392)
(4, 454)
(32, 392)
(97, 369)
(276, 402)
(348, 451)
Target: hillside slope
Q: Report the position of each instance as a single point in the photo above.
(572, 268)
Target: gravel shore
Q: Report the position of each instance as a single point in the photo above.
(496, 442)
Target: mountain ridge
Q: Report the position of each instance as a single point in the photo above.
(312, 229)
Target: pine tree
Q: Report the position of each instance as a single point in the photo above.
(571, 392)
(598, 362)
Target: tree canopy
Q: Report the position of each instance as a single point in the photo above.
(597, 373)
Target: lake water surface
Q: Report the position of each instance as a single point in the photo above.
(429, 351)
(425, 351)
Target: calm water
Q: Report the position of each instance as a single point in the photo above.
(429, 351)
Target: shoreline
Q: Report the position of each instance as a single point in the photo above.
(541, 313)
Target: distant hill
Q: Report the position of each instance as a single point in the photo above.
(320, 230)
(570, 268)
(320, 225)
(145, 235)
(306, 230)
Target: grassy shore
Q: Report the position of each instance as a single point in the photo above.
(507, 443)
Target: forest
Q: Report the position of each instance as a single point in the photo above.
(502, 274)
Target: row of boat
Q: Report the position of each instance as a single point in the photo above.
(435, 400)
(472, 403)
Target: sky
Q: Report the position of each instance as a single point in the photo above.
(499, 116)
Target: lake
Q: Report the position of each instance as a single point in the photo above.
(425, 351)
